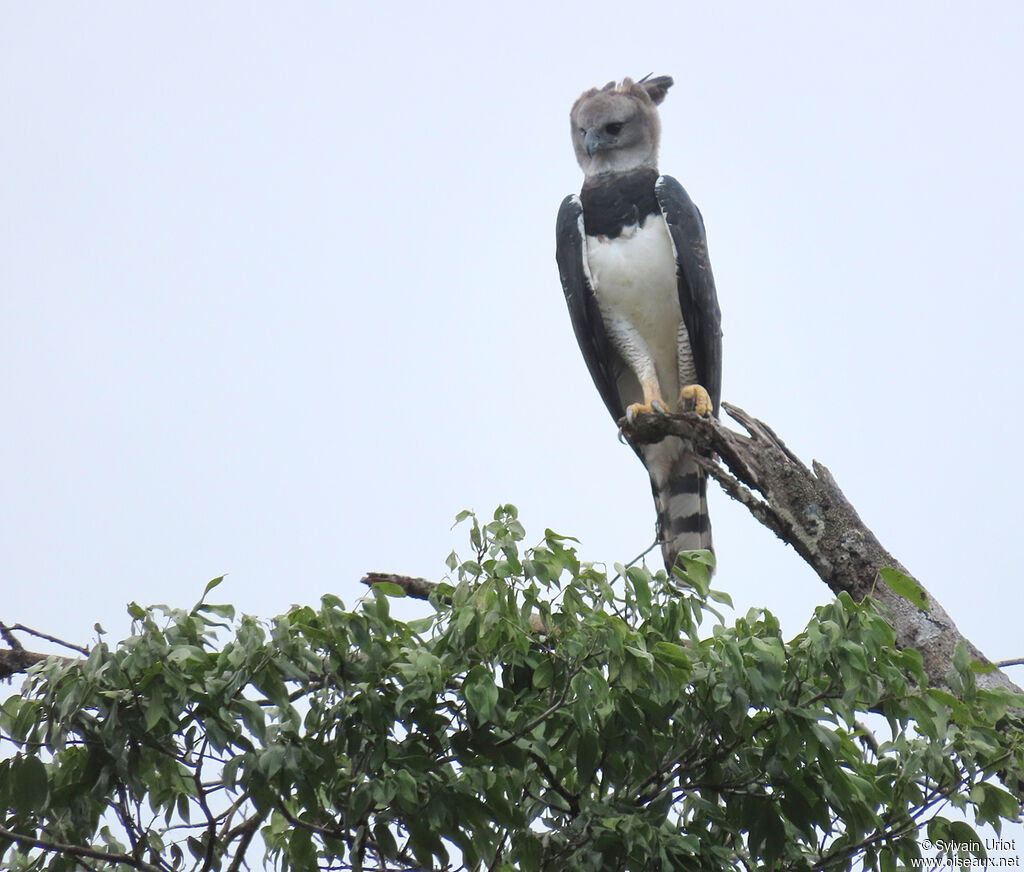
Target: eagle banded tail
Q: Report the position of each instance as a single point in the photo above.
(680, 496)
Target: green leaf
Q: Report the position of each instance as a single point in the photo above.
(887, 860)
(362, 800)
(550, 536)
(212, 583)
(720, 597)
(29, 783)
(962, 659)
(586, 756)
(961, 713)
(272, 759)
(544, 674)
(222, 610)
(963, 836)
(422, 625)
(994, 804)
(301, 852)
(639, 652)
(674, 655)
(480, 691)
(424, 843)
(905, 586)
(385, 840)
(389, 588)
(154, 711)
(694, 568)
(638, 577)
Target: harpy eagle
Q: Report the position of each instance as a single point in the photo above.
(633, 259)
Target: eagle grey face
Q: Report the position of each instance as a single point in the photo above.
(616, 129)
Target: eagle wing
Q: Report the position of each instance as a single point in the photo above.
(698, 299)
(571, 255)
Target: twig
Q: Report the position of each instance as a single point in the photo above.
(21, 628)
(638, 558)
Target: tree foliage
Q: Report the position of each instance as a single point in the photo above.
(541, 716)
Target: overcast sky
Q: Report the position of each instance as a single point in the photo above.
(278, 294)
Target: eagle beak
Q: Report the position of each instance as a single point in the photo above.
(593, 142)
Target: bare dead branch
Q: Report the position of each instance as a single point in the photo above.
(10, 638)
(12, 662)
(6, 631)
(805, 508)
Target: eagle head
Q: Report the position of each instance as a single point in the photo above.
(616, 128)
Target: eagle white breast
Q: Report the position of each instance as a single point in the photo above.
(634, 279)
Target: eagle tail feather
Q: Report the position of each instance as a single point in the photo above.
(679, 486)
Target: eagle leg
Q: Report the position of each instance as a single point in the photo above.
(694, 398)
(653, 403)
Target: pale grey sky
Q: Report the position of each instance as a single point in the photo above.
(279, 294)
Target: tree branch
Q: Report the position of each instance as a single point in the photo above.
(805, 508)
(18, 660)
(247, 830)
(77, 851)
(7, 633)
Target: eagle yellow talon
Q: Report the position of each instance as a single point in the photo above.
(693, 398)
(654, 407)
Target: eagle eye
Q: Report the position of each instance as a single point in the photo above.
(615, 128)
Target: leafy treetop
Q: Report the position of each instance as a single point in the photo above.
(543, 716)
